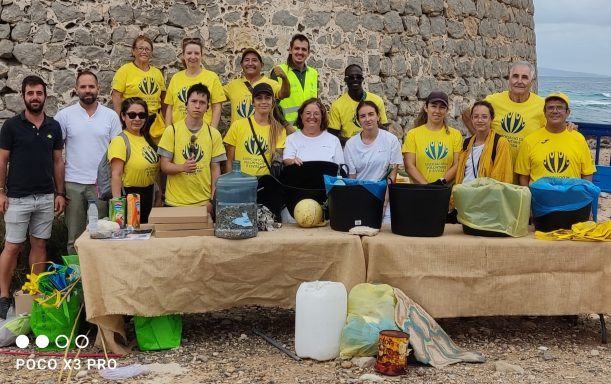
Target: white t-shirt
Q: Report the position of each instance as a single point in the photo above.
(324, 147)
(371, 161)
(472, 165)
(86, 139)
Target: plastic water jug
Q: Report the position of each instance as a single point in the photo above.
(236, 205)
(320, 315)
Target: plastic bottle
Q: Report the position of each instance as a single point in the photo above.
(92, 216)
(236, 205)
(320, 315)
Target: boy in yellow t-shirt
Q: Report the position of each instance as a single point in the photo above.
(342, 118)
(191, 152)
(554, 151)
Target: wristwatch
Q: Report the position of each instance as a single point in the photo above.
(62, 194)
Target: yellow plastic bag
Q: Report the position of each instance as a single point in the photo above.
(489, 205)
(371, 309)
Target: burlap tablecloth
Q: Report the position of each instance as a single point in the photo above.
(199, 274)
(460, 275)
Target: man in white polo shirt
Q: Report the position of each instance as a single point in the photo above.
(87, 128)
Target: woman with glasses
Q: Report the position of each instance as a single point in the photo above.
(431, 148)
(485, 154)
(312, 142)
(141, 79)
(194, 73)
(133, 156)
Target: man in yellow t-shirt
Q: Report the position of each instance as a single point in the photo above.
(176, 96)
(239, 91)
(554, 151)
(517, 112)
(191, 152)
(342, 118)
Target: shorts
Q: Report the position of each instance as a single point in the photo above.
(36, 210)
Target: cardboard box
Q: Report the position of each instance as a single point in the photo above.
(173, 215)
(181, 226)
(23, 302)
(184, 233)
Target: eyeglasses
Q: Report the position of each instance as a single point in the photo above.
(140, 115)
(553, 108)
(144, 49)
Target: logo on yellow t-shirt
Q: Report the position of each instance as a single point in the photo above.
(436, 150)
(556, 162)
(245, 109)
(193, 151)
(252, 147)
(148, 86)
(355, 120)
(512, 122)
(182, 94)
(149, 155)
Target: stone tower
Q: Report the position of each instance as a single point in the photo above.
(406, 47)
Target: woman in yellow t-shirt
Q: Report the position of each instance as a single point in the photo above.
(194, 73)
(138, 172)
(268, 140)
(140, 79)
(431, 148)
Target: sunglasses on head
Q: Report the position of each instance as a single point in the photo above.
(191, 40)
(133, 115)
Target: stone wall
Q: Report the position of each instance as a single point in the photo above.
(406, 47)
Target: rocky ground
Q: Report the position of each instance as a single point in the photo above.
(220, 347)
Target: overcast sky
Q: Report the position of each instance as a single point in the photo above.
(574, 35)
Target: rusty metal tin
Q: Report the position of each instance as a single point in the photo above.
(392, 353)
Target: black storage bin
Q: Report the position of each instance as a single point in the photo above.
(354, 205)
(480, 232)
(562, 219)
(306, 182)
(418, 210)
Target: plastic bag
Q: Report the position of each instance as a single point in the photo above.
(158, 332)
(371, 309)
(487, 204)
(13, 327)
(377, 188)
(551, 194)
(57, 321)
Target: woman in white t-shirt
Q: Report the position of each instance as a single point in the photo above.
(312, 142)
(374, 154)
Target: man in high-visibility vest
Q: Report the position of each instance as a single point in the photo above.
(303, 78)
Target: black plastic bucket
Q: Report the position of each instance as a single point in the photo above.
(562, 219)
(354, 205)
(306, 182)
(418, 210)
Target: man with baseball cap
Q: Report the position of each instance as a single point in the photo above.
(342, 118)
(239, 91)
(554, 151)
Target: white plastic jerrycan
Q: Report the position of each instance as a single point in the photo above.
(320, 315)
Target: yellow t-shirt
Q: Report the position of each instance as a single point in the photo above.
(191, 188)
(546, 154)
(434, 150)
(142, 168)
(241, 98)
(176, 96)
(514, 120)
(132, 81)
(343, 114)
(239, 135)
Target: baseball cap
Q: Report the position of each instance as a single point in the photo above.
(558, 95)
(262, 88)
(251, 50)
(437, 96)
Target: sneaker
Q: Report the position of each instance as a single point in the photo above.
(5, 304)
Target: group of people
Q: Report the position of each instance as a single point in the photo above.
(163, 143)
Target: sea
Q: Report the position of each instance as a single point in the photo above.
(590, 96)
